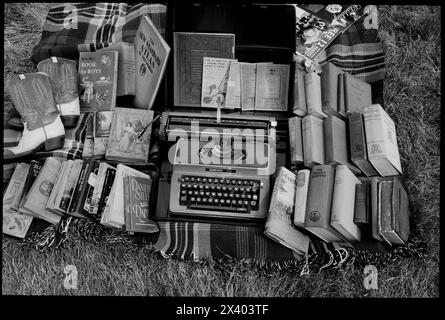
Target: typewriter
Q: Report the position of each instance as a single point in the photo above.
(221, 169)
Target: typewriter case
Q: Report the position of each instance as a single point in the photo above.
(263, 33)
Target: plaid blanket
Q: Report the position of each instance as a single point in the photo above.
(72, 28)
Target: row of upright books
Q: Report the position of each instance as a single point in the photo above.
(336, 206)
(114, 195)
(365, 142)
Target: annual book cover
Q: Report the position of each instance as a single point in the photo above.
(41, 190)
(137, 205)
(279, 224)
(15, 223)
(151, 53)
(130, 134)
(98, 80)
(189, 49)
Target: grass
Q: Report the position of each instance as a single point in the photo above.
(411, 37)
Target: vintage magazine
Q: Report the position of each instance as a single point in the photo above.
(215, 75)
(130, 135)
(313, 34)
(279, 226)
(151, 53)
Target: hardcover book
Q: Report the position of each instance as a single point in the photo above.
(98, 189)
(113, 215)
(358, 93)
(343, 200)
(299, 96)
(215, 76)
(61, 188)
(126, 76)
(296, 140)
(341, 95)
(279, 226)
(319, 204)
(14, 223)
(137, 205)
(41, 190)
(301, 195)
(81, 187)
(34, 171)
(130, 135)
(98, 80)
(384, 213)
(313, 141)
(362, 206)
(102, 125)
(91, 181)
(381, 141)
(152, 53)
(248, 84)
(329, 89)
(336, 143)
(68, 191)
(189, 50)
(233, 96)
(50, 203)
(108, 183)
(312, 82)
(357, 143)
(272, 87)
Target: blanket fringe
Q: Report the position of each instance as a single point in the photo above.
(80, 229)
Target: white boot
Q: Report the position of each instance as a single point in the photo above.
(63, 75)
(33, 98)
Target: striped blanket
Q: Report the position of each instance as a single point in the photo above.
(75, 27)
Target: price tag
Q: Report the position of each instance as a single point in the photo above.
(22, 76)
(54, 59)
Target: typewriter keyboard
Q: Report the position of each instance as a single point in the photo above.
(219, 194)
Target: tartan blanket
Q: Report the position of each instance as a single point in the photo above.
(73, 28)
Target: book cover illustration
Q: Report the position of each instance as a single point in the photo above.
(314, 34)
(151, 53)
(215, 76)
(130, 134)
(102, 123)
(98, 80)
(189, 51)
(137, 205)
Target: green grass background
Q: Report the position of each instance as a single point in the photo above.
(411, 37)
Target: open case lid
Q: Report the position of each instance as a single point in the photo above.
(263, 33)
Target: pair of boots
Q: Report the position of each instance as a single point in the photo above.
(46, 101)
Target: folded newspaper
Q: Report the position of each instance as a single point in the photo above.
(279, 226)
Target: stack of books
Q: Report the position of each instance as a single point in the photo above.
(117, 197)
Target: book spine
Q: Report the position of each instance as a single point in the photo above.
(312, 84)
(358, 145)
(329, 141)
(329, 89)
(341, 95)
(73, 207)
(295, 140)
(385, 195)
(313, 141)
(343, 198)
(319, 201)
(108, 183)
(299, 98)
(346, 91)
(127, 203)
(361, 204)
(301, 195)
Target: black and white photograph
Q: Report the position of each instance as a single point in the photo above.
(338, 195)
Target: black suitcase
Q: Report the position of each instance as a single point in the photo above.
(263, 33)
